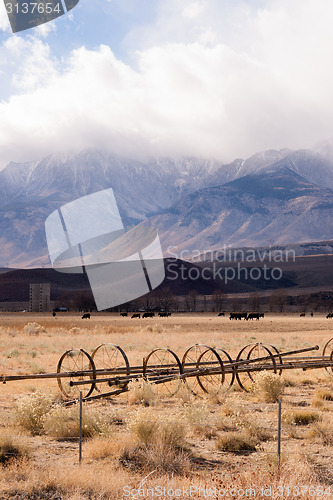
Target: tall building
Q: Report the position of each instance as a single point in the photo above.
(39, 297)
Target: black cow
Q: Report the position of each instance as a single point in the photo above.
(148, 315)
(164, 314)
(86, 316)
(302, 315)
(136, 315)
(237, 316)
(221, 314)
(123, 314)
(252, 316)
(330, 315)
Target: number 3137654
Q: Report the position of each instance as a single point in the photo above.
(33, 8)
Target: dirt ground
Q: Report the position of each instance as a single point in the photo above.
(51, 469)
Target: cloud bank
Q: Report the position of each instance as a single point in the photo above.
(208, 78)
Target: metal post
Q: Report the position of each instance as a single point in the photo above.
(80, 431)
(279, 435)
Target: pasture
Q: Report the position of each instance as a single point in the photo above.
(144, 440)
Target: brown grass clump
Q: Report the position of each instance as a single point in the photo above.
(324, 394)
(198, 417)
(236, 441)
(33, 329)
(12, 449)
(157, 458)
(322, 430)
(268, 386)
(149, 428)
(30, 411)
(101, 448)
(300, 417)
(63, 423)
(160, 446)
(141, 392)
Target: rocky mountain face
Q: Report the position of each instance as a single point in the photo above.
(273, 207)
(274, 197)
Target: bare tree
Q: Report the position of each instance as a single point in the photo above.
(254, 301)
(219, 300)
(164, 299)
(277, 300)
(193, 296)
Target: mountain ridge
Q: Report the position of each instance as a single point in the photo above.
(273, 197)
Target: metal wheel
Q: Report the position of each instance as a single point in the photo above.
(206, 359)
(328, 351)
(81, 366)
(252, 352)
(110, 357)
(229, 371)
(160, 364)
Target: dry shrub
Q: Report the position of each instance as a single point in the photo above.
(101, 447)
(268, 386)
(149, 428)
(300, 417)
(252, 428)
(30, 411)
(324, 395)
(157, 458)
(184, 395)
(12, 449)
(62, 422)
(74, 331)
(33, 329)
(235, 441)
(322, 430)
(160, 443)
(198, 417)
(141, 392)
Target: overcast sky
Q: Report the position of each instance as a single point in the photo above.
(210, 78)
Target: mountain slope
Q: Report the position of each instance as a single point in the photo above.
(30, 192)
(272, 207)
(272, 197)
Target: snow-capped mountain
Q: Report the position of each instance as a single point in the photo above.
(273, 197)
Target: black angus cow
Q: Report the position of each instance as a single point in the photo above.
(221, 314)
(237, 316)
(302, 315)
(123, 314)
(136, 315)
(253, 316)
(164, 314)
(148, 315)
(330, 315)
(86, 316)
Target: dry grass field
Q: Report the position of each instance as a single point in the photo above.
(147, 444)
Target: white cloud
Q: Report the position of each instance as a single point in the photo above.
(262, 82)
(4, 22)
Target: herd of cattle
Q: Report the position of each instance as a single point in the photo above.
(246, 316)
(146, 315)
(237, 316)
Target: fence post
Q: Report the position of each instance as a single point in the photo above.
(80, 431)
(279, 434)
